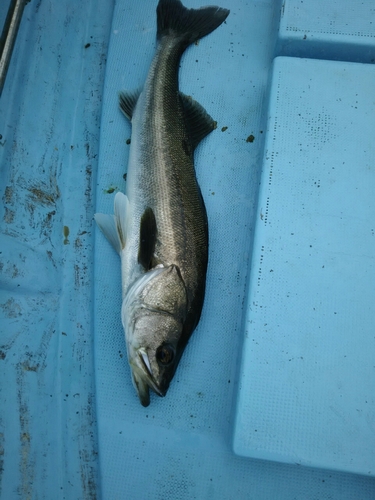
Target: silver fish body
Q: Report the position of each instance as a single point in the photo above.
(160, 226)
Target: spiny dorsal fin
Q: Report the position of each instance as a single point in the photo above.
(128, 100)
(147, 238)
(199, 122)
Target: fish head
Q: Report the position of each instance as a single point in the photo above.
(153, 319)
(153, 354)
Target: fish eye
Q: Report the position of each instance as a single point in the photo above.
(165, 354)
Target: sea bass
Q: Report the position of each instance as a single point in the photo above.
(159, 226)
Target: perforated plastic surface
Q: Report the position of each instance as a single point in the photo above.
(307, 383)
(183, 440)
(339, 30)
(49, 136)
(182, 444)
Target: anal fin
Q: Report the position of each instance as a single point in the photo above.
(107, 225)
(114, 227)
(121, 215)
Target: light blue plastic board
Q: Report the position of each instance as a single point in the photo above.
(53, 401)
(307, 382)
(336, 29)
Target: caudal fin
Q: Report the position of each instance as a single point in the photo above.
(191, 24)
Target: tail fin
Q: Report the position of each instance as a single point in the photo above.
(191, 24)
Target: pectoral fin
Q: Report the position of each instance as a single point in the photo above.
(147, 239)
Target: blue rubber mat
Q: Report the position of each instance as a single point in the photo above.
(71, 426)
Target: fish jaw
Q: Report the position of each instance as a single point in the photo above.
(142, 377)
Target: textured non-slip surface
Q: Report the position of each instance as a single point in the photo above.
(338, 29)
(184, 441)
(307, 383)
(60, 280)
(49, 125)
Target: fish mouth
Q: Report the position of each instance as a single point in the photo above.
(143, 379)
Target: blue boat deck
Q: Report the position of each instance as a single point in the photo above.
(275, 394)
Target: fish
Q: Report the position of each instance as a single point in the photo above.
(159, 226)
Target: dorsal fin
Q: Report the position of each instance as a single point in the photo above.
(147, 238)
(198, 121)
(128, 100)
